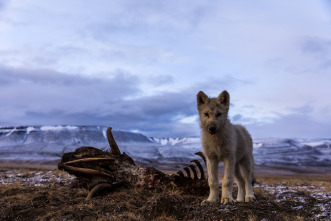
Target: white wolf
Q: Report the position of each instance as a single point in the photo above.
(223, 141)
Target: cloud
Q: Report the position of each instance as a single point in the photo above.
(155, 115)
(159, 80)
(11, 75)
(46, 97)
(158, 114)
(237, 117)
(42, 97)
(299, 125)
(318, 49)
(147, 16)
(18, 76)
(2, 4)
(26, 90)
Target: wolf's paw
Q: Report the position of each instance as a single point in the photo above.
(250, 198)
(227, 200)
(239, 200)
(207, 202)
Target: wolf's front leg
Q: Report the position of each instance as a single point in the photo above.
(227, 183)
(212, 167)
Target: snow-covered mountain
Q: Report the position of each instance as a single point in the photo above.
(46, 144)
(304, 153)
(169, 141)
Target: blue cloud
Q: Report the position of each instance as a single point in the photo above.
(298, 125)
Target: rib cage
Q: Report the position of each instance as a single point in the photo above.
(196, 169)
(98, 170)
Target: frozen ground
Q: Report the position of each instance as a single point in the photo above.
(300, 193)
(28, 177)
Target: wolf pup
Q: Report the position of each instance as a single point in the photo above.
(223, 141)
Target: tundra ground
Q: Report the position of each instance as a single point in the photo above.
(49, 194)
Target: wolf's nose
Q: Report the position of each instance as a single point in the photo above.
(212, 129)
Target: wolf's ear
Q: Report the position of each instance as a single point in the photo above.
(224, 98)
(202, 98)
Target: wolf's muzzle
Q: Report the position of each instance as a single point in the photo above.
(212, 130)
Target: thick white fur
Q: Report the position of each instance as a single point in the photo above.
(223, 141)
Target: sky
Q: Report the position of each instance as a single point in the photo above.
(138, 65)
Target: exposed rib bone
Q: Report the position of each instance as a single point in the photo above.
(180, 173)
(85, 171)
(113, 146)
(187, 170)
(194, 171)
(202, 156)
(97, 189)
(89, 160)
(202, 172)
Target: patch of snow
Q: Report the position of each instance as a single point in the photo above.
(300, 199)
(104, 132)
(257, 145)
(51, 128)
(29, 129)
(297, 207)
(57, 128)
(11, 131)
(32, 178)
(317, 142)
(325, 212)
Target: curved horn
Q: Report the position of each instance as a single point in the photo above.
(113, 146)
(202, 172)
(98, 188)
(194, 171)
(187, 170)
(202, 156)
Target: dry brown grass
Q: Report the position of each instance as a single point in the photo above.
(279, 197)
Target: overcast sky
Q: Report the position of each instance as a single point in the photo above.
(138, 65)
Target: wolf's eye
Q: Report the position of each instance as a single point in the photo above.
(206, 114)
(218, 114)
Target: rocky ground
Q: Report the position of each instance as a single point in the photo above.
(49, 194)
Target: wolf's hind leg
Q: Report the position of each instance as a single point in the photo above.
(248, 173)
(241, 184)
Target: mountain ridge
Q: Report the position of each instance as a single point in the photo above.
(48, 143)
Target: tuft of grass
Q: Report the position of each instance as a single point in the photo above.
(165, 217)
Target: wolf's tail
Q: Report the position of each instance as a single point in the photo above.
(253, 178)
(253, 181)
